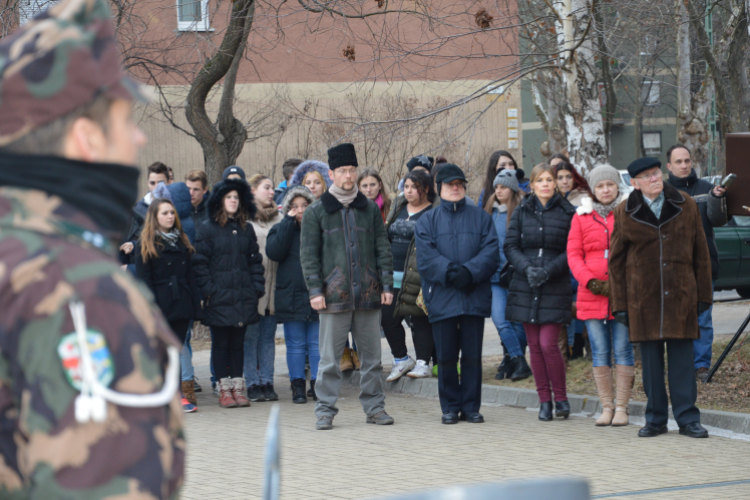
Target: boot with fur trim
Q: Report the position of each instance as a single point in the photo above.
(226, 400)
(238, 391)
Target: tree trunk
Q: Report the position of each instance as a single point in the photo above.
(587, 144)
(610, 109)
(736, 67)
(548, 112)
(222, 141)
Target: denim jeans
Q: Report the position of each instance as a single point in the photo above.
(702, 346)
(186, 357)
(260, 351)
(511, 333)
(302, 342)
(606, 336)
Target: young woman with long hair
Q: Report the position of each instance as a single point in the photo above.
(260, 338)
(163, 263)
(229, 270)
(371, 185)
(539, 295)
(501, 205)
(314, 175)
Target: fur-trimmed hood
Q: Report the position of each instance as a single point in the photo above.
(587, 204)
(293, 193)
(220, 191)
(308, 166)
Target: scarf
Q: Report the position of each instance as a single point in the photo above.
(605, 210)
(266, 214)
(171, 237)
(379, 201)
(345, 197)
(105, 192)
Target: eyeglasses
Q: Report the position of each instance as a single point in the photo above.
(655, 176)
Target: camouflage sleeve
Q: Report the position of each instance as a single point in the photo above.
(46, 453)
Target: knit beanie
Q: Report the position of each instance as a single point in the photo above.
(234, 169)
(342, 155)
(603, 173)
(507, 178)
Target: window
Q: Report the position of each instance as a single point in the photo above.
(27, 9)
(192, 15)
(650, 94)
(651, 142)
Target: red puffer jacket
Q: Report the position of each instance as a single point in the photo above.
(588, 258)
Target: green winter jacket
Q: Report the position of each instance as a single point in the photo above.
(345, 254)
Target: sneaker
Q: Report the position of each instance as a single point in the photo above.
(380, 418)
(254, 393)
(268, 393)
(215, 387)
(196, 385)
(324, 423)
(188, 407)
(400, 368)
(421, 370)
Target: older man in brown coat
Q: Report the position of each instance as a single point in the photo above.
(660, 280)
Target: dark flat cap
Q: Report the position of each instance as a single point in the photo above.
(342, 155)
(643, 164)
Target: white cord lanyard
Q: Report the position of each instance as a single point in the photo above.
(91, 404)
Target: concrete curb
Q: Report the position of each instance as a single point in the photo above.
(527, 398)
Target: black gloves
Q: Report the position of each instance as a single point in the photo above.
(461, 279)
(703, 307)
(621, 317)
(536, 276)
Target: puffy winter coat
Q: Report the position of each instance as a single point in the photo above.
(537, 237)
(171, 278)
(228, 264)
(588, 258)
(459, 234)
(282, 245)
(261, 228)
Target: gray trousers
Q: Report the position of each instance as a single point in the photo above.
(334, 332)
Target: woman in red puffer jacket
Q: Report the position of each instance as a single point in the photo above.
(588, 258)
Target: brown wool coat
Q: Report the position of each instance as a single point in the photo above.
(659, 270)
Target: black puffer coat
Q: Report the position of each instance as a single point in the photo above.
(538, 237)
(171, 279)
(282, 246)
(228, 264)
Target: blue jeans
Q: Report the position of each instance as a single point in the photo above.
(511, 333)
(260, 351)
(605, 335)
(302, 341)
(186, 357)
(702, 346)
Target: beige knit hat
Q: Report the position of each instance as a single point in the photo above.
(603, 173)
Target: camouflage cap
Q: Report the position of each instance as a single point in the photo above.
(62, 59)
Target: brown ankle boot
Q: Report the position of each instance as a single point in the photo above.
(355, 359)
(238, 391)
(603, 379)
(226, 400)
(625, 379)
(188, 389)
(346, 360)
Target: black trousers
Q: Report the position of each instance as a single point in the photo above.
(464, 334)
(228, 351)
(682, 385)
(421, 333)
(180, 328)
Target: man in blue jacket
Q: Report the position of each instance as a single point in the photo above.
(457, 254)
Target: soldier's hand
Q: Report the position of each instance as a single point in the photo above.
(621, 317)
(126, 247)
(318, 303)
(386, 298)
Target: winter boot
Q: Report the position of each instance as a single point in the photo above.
(346, 360)
(188, 389)
(268, 393)
(355, 359)
(503, 369)
(603, 379)
(238, 391)
(625, 379)
(298, 391)
(311, 391)
(226, 400)
(578, 344)
(521, 369)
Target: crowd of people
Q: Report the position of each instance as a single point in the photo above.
(336, 260)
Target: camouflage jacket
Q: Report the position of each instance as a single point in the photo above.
(51, 252)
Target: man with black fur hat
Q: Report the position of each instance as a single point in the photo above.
(348, 268)
(660, 281)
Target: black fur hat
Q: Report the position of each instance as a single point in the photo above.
(220, 191)
(342, 156)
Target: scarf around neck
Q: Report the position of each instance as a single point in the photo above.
(605, 210)
(345, 197)
(379, 201)
(266, 214)
(171, 237)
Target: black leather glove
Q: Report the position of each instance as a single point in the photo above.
(703, 307)
(450, 274)
(536, 276)
(462, 278)
(621, 317)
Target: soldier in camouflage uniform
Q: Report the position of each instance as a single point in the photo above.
(65, 192)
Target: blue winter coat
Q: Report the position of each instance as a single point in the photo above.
(181, 198)
(465, 236)
(500, 220)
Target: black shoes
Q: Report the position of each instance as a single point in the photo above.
(505, 368)
(545, 411)
(254, 393)
(562, 409)
(298, 391)
(694, 430)
(311, 391)
(652, 430)
(268, 393)
(450, 418)
(521, 369)
(473, 417)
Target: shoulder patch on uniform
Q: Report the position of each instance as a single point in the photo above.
(70, 355)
